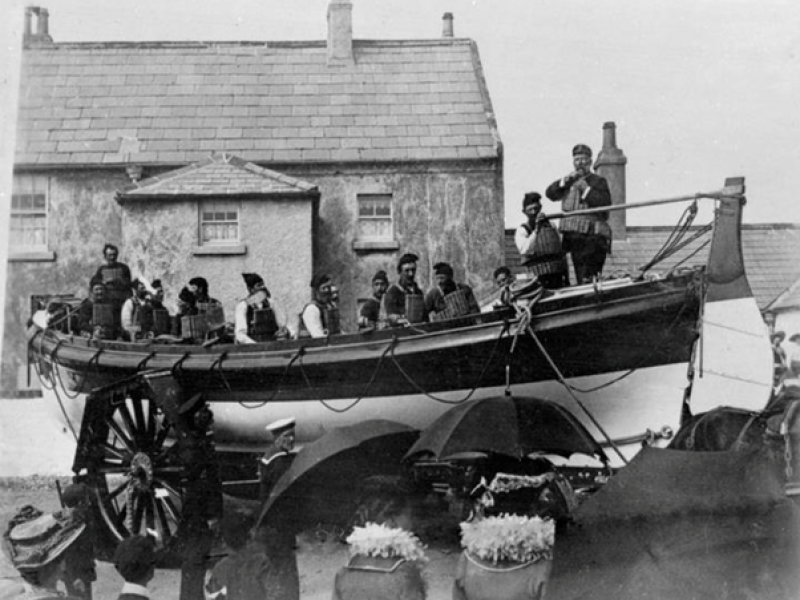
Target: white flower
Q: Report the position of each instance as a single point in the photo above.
(386, 542)
(509, 537)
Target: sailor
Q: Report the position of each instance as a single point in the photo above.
(405, 295)
(278, 458)
(199, 287)
(503, 278)
(155, 304)
(448, 299)
(587, 238)
(539, 245)
(135, 561)
(370, 314)
(115, 275)
(320, 317)
(84, 316)
(258, 318)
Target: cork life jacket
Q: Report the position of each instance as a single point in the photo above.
(595, 224)
(261, 322)
(547, 257)
(330, 319)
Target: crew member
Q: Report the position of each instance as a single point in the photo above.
(405, 293)
(115, 275)
(587, 238)
(131, 312)
(448, 299)
(503, 278)
(539, 245)
(84, 316)
(258, 318)
(319, 317)
(278, 458)
(370, 313)
(199, 287)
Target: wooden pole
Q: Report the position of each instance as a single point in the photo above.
(728, 191)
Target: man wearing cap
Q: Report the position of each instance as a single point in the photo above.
(37, 545)
(131, 312)
(84, 316)
(539, 245)
(587, 238)
(394, 302)
(79, 572)
(316, 319)
(115, 275)
(199, 287)
(278, 458)
(258, 318)
(135, 561)
(436, 305)
(370, 314)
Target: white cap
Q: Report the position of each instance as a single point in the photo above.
(276, 427)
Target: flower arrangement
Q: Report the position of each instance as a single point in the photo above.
(509, 538)
(387, 542)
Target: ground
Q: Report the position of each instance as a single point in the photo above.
(318, 556)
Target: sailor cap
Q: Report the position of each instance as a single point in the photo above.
(281, 425)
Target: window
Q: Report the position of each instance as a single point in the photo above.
(219, 223)
(375, 217)
(28, 227)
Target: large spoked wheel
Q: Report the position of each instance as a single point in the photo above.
(136, 473)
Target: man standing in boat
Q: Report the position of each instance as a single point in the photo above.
(257, 318)
(199, 287)
(404, 302)
(319, 317)
(587, 238)
(370, 313)
(539, 245)
(116, 277)
(448, 299)
(278, 458)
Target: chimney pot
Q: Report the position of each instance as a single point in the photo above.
(42, 35)
(340, 32)
(610, 164)
(447, 25)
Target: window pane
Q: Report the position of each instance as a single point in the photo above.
(40, 202)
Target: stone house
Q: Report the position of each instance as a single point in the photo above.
(283, 158)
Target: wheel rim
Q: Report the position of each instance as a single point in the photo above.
(137, 475)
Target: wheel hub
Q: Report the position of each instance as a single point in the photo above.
(141, 472)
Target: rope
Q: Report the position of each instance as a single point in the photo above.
(85, 373)
(277, 388)
(670, 246)
(218, 364)
(64, 412)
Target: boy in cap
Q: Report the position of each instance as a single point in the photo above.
(278, 458)
(135, 560)
(258, 318)
(587, 238)
(539, 245)
(394, 302)
(370, 314)
(79, 572)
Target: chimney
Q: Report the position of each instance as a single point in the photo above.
(610, 164)
(340, 32)
(447, 25)
(42, 35)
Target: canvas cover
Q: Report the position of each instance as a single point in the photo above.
(683, 525)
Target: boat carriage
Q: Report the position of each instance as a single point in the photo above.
(622, 355)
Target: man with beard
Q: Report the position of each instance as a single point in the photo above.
(405, 294)
(448, 299)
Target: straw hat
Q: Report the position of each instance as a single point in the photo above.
(36, 543)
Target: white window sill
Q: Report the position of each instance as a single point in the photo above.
(31, 255)
(375, 245)
(220, 250)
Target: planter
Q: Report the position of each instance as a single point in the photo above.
(374, 577)
(478, 579)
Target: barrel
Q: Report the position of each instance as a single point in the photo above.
(194, 327)
(456, 304)
(332, 321)
(104, 320)
(161, 321)
(264, 325)
(415, 308)
(215, 315)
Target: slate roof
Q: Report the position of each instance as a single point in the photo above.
(771, 255)
(790, 299)
(277, 102)
(218, 175)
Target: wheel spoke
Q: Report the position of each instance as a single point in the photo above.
(112, 495)
(124, 440)
(127, 418)
(111, 469)
(138, 514)
(141, 425)
(162, 521)
(114, 452)
(172, 510)
(162, 435)
(152, 420)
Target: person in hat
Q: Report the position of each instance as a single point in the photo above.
(394, 302)
(436, 305)
(80, 571)
(135, 561)
(503, 278)
(369, 316)
(587, 238)
(199, 287)
(37, 544)
(539, 245)
(278, 458)
(131, 317)
(84, 316)
(319, 317)
(258, 318)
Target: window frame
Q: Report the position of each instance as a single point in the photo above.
(217, 203)
(25, 249)
(375, 197)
